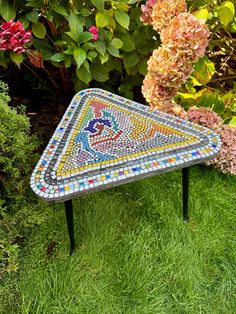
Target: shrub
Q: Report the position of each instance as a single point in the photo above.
(16, 158)
(88, 42)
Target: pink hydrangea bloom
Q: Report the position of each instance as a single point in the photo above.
(147, 9)
(94, 30)
(13, 36)
(187, 35)
(206, 117)
(164, 11)
(159, 97)
(169, 69)
(226, 160)
(184, 41)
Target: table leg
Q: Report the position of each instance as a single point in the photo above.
(185, 187)
(70, 224)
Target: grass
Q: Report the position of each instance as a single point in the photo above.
(134, 253)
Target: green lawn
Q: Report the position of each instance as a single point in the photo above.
(134, 253)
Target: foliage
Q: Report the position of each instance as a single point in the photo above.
(16, 146)
(62, 39)
(16, 158)
(212, 83)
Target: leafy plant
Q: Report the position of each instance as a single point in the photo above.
(16, 157)
(212, 83)
(61, 38)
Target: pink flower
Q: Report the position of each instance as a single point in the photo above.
(187, 35)
(13, 36)
(94, 30)
(206, 117)
(164, 11)
(158, 96)
(226, 160)
(146, 9)
(169, 69)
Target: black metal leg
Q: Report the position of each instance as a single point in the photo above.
(70, 224)
(185, 187)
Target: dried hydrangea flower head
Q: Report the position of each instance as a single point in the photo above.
(186, 35)
(13, 36)
(184, 40)
(169, 69)
(163, 12)
(158, 96)
(226, 160)
(147, 9)
(206, 117)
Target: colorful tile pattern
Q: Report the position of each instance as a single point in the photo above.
(105, 140)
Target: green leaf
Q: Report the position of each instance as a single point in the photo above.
(59, 9)
(69, 51)
(7, 10)
(128, 44)
(132, 70)
(85, 36)
(84, 74)
(102, 18)
(92, 54)
(99, 73)
(100, 47)
(39, 30)
(75, 25)
(230, 5)
(117, 43)
(201, 14)
(24, 21)
(35, 3)
(226, 12)
(104, 58)
(16, 58)
(99, 4)
(68, 62)
(85, 12)
(142, 66)
(130, 59)
(88, 45)
(32, 16)
(80, 56)
(113, 51)
(232, 122)
(58, 57)
(122, 18)
(204, 69)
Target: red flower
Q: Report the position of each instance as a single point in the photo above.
(13, 36)
(94, 30)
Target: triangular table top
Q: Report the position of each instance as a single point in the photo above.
(104, 140)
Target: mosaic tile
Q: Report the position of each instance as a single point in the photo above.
(104, 140)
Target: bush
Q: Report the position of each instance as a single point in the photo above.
(113, 53)
(16, 152)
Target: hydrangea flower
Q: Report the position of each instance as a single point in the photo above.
(13, 36)
(187, 35)
(169, 69)
(158, 96)
(206, 117)
(226, 160)
(147, 9)
(184, 40)
(94, 30)
(164, 11)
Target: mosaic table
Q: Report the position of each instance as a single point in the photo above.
(104, 140)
